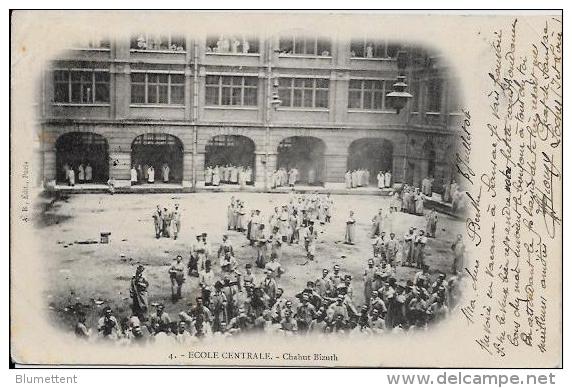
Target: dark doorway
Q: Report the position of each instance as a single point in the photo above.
(233, 150)
(371, 154)
(82, 148)
(158, 149)
(306, 154)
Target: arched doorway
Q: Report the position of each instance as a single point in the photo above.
(85, 149)
(234, 151)
(372, 154)
(306, 154)
(158, 150)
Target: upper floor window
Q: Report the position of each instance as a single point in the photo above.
(434, 93)
(81, 86)
(158, 42)
(368, 48)
(454, 96)
(300, 45)
(415, 90)
(94, 43)
(367, 94)
(157, 88)
(232, 44)
(304, 92)
(231, 90)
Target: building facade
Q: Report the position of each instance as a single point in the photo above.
(314, 103)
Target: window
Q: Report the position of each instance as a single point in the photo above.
(367, 94)
(157, 88)
(304, 92)
(455, 101)
(434, 94)
(368, 48)
(94, 43)
(415, 90)
(158, 42)
(81, 86)
(299, 45)
(232, 44)
(231, 90)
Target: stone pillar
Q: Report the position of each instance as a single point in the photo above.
(188, 165)
(119, 164)
(200, 166)
(336, 166)
(398, 168)
(262, 167)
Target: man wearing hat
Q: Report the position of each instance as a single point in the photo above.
(419, 249)
(338, 308)
(310, 235)
(194, 256)
(269, 286)
(408, 241)
(138, 293)
(225, 246)
(176, 221)
(158, 221)
(166, 228)
(228, 262)
(248, 279)
(218, 303)
(206, 282)
(203, 252)
(177, 275)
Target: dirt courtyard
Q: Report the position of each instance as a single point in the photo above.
(86, 273)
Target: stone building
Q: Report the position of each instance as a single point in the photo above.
(315, 103)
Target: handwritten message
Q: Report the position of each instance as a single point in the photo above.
(517, 192)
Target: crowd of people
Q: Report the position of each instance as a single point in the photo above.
(233, 296)
(83, 172)
(167, 223)
(146, 174)
(361, 178)
(288, 178)
(229, 174)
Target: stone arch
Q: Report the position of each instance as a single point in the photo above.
(75, 149)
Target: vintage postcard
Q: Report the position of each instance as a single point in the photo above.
(317, 189)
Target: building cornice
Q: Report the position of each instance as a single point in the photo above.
(180, 123)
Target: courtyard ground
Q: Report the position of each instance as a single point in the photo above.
(86, 273)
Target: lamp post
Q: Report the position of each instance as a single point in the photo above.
(399, 97)
(272, 103)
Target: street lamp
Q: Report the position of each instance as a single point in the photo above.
(272, 103)
(398, 98)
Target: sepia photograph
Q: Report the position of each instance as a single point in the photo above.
(245, 188)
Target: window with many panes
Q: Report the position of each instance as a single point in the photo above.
(434, 92)
(368, 48)
(300, 45)
(232, 44)
(366, 94)
(304, 92)
(231, 90)
(81, 86)
(158, 42)
(157, 88)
